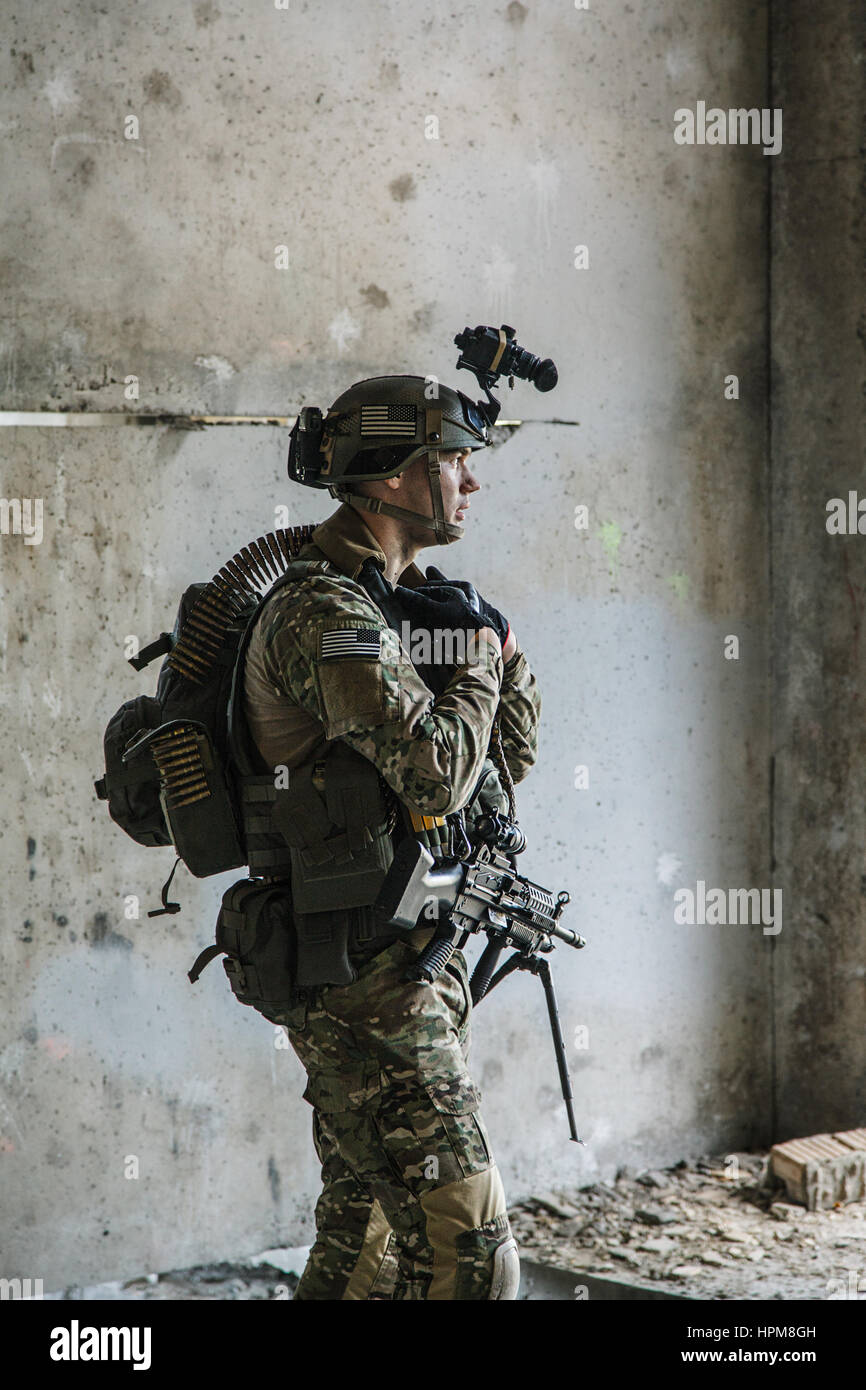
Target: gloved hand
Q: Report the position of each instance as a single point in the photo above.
(437, 583)
(447, 608)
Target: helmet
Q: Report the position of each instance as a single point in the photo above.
(375, 430)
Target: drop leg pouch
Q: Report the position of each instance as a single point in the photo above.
(256, 931)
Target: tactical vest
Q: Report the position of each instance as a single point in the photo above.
(327, 838)
(332, 830)
(329, 831)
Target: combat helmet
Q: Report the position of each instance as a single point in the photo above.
(375, 430)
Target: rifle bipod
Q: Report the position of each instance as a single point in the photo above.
(484, 980)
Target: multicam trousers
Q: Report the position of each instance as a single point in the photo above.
(412, 1205)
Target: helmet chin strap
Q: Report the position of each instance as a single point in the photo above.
(446, 531)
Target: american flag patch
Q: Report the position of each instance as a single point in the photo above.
(398, 420)
(337, 643)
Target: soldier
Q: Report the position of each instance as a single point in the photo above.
(412, 1205)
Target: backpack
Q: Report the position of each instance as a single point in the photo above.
(179, 765)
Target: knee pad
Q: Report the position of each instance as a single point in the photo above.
(474, 1253)
(505, 1280)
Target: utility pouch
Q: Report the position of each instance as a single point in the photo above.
(256, 932)
(336, 827)
(194, 796)
(132, 787)
(323, 948)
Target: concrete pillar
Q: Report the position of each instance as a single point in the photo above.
(818, 584)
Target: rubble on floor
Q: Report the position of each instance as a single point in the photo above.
(272, 1274)
(711, 1229)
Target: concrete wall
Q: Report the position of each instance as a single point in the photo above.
(819, 579)
(155, 258)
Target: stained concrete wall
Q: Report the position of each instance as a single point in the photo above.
(155, 258)
(819, 579)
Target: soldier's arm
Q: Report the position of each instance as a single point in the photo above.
(328, 648)
(519, 714)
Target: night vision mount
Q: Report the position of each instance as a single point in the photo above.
(493, 352)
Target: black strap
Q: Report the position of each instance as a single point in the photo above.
(160, 647)
(266, 861)
(113, 781)
(243, 749)
(366, 925)
(202, 959)
(166, 905)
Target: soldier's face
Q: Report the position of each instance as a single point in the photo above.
(457, 481)
(455, 478)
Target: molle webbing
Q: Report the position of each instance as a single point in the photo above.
(267, 852)
(340, 846)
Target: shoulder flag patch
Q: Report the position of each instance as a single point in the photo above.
(337, 643)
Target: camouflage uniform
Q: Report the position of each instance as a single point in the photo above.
(412, 1203)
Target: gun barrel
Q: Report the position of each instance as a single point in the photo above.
(571, 938)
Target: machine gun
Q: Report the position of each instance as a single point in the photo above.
(483, 892)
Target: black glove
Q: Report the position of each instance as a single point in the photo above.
(445, 607)
(436, 582)
(449, 609)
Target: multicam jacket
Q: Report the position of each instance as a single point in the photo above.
(324, 665)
